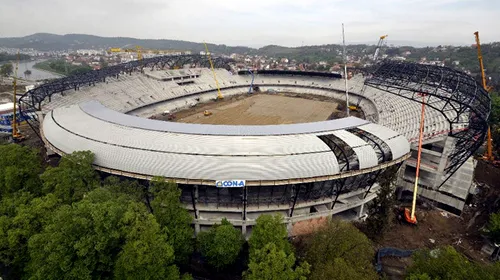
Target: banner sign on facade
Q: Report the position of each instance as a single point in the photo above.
(230, 184)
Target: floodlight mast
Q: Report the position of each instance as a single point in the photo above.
(345, 73)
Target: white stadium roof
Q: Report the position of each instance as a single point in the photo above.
(210, 152)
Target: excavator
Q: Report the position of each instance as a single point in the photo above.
(488, 156)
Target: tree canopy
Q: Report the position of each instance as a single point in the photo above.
(339, 246)
(63, 223)
(6, 70)
(269, 229)
(19, 169)
(446, 264)
(72, 178)
(273, 263)
(380, 211)
(221, 245)
(171, 215)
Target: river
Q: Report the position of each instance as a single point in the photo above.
(36, 74)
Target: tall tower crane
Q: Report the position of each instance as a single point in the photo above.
(489, 145)
(219, 94)
(379, 46)
(16, 136)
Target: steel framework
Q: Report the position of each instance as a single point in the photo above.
(31, 101)
(461, 99)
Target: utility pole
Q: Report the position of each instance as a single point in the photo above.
(345, 72)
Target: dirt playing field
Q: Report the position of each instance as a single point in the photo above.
(260, 109)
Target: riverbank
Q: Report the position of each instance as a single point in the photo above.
(45, 66)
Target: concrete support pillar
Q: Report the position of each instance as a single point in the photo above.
(360, 211)
(197, 228)
(448, 146)
(244, 229)
(196, 201)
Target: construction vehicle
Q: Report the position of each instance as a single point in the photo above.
(353, 108)
(16, 135)
(207, 113)
(219, 94)
(379, 46)
(169, 115)
(488, 156)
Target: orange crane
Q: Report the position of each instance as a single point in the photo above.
(410, 216)
(489, 145)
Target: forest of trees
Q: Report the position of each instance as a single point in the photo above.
(12, 57)
(62, 67)
(68, 222)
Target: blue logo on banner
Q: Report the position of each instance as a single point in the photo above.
(230, 184)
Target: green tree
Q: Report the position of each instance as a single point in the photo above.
(146, 253)
(82, 240)
(495, 109)
(272, 263)
(339, 269)
(380, 212)
(20, 168)
(494, 227)
(130, 188)
(72, 178)
(171, 215)
(221, 245)
(9, 207)
(269, 229)
(446, 264)
(6, 69)
(339, 240)
(29, 220)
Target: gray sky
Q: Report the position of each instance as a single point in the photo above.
(259, 22)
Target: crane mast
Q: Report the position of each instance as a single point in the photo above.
(15, 134)
(489, 145)
(219, 94)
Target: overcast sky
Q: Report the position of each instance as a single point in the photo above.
(259, 22)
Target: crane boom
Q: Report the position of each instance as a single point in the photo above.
(219, 94)
(379, 45)
(489, 145)
(16, 136)
(481, 64)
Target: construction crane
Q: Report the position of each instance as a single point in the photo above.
(141, 51)
(219, 94)
(16, 136)
(379, 46)
(375, 56)
(489, 145)
(137, 50)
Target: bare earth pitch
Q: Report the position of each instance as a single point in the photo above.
(260, 109)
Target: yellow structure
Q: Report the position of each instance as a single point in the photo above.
(489, 145)
(16, 136)
(219, 94)
(140, 51)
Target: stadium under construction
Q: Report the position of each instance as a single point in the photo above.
(303, 170)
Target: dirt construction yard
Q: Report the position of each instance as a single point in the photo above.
(260, 109)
